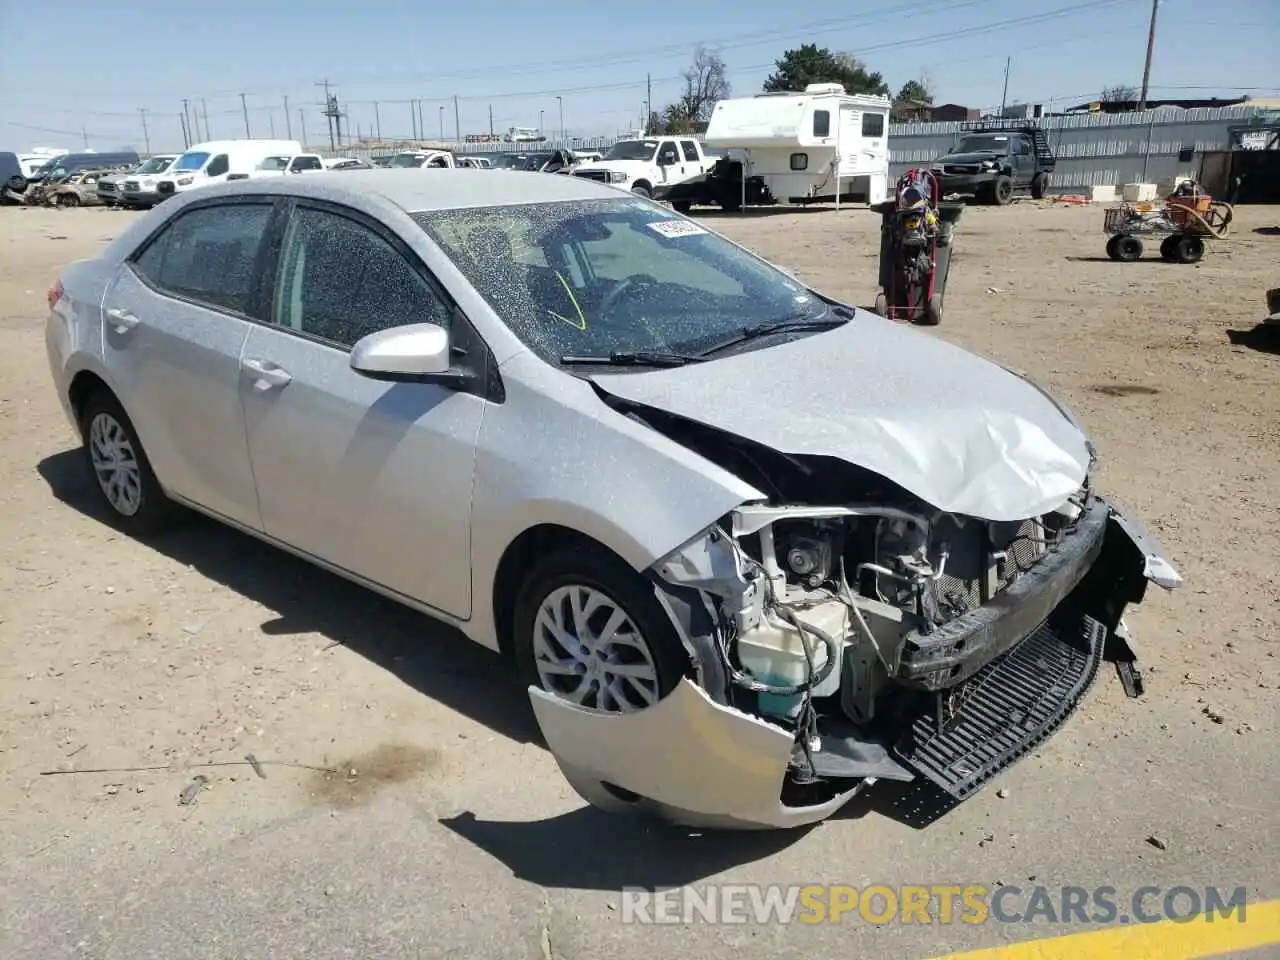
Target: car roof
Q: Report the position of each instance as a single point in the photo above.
(415, 190)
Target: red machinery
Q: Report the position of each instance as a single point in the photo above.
(915, 249)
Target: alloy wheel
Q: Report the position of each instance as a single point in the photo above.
(588, 651)
(115, 464)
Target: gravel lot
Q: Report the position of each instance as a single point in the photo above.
(458, 837)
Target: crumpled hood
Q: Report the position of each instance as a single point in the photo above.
(958, 431)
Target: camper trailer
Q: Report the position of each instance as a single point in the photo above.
(822, 144)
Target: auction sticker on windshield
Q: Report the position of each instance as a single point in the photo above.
(676, 228)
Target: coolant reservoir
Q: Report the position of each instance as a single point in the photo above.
(773, 653)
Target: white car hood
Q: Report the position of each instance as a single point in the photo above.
(633, 166)
(958, 431)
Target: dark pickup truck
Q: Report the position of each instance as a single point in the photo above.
(992, 163)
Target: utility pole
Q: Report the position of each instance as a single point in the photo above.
(244, 108)
(491, 119)
(1146, 69)
(457, 120)
(377, 120)
(442, 121)
(146, 134)
(560, 100)
(85, 133)
(271, 123)
(1005, 96)
(330, 112)
(302, 125)
(422, 124)
(186, 126)
(288, 124)
(186, 139)
(413, 117)
(648, 102)
(204, 109)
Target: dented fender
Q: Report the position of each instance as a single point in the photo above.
(686, 759)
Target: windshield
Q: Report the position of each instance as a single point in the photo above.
(633, 150)
(983, 144)
(155, 165)
(274, 163)
(191, 161)
(407, 160)
(598, 276)
(521, 161)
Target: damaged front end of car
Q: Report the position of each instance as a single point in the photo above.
(843, 631)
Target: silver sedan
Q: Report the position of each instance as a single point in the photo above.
(752, 549)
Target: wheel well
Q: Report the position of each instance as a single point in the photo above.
(84, 385)
(520, 555)
(643, 183)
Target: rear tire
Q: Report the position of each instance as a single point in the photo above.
(577, 655)
(1188, 249)
(1039, 186)
(122, 473)
(1166, 248)
(642, 191)
(68, 200)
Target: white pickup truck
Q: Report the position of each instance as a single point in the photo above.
(649, 166)
(280, 164)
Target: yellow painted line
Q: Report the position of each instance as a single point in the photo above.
(1166, 940)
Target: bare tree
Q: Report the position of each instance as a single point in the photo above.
(1120, 93)
(705, 82)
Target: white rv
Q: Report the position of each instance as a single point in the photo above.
(219, 160)
(820, 144)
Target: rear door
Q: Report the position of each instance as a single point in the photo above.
(176, 318)
(369, 476)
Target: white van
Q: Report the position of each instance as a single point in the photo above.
(219, 160)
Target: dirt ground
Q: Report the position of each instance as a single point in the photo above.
(456, 835)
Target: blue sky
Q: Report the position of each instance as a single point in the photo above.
(89, 72)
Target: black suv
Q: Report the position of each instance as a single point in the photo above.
(992, 162)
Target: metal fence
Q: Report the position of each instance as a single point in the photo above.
(1097, 149)
(1091, 149)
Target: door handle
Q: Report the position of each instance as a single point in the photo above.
(267, 373)
(122, 320)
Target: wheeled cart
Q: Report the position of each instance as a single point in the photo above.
(916, 232)
(1186, 220)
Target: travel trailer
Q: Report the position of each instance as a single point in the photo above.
(821, 144)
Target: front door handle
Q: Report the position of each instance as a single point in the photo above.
(267, 373)
(122, 320)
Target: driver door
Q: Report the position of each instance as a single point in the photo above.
(668, 157)
(371, 477)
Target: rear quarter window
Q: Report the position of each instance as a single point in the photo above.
(208, 254)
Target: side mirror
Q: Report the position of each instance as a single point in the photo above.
(418, 352)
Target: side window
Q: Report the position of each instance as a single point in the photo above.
(667, 152)
(873, 124)
(218, 165)
(307, 163)
(690, 150)
(208, 254)
(822, 123)
(341, 281)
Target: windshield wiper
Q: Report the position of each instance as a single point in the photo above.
(636, 358)
(798, 324)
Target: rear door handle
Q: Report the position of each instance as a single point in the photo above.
(122, 320)
(267, 373)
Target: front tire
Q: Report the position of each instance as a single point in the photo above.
(642, 191)
(1002, 191)
(589, 629)
(122, 473)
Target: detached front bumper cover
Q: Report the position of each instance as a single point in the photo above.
(695, 762)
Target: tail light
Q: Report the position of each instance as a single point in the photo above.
(55, 293)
